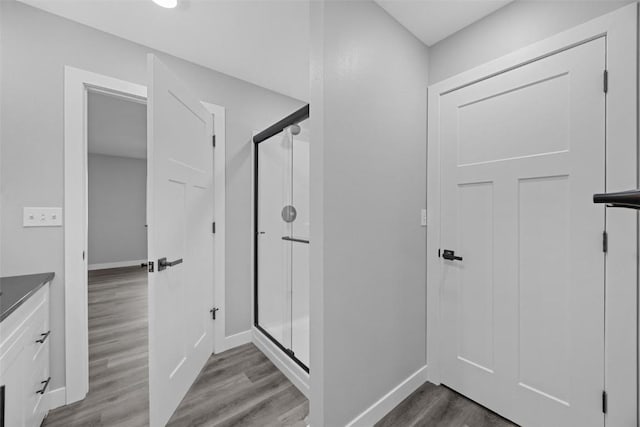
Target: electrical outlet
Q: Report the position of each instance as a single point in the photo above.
(42, 217)
(423, 217)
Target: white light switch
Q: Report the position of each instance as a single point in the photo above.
(423, 217)
(42, 217)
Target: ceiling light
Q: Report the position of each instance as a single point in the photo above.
(169, 4)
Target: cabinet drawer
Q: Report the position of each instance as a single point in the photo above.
(40, 332)
(24, 361)
(33, 311)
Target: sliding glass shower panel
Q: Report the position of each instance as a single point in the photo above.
(300, 246)
(282, 285)
(274, 253)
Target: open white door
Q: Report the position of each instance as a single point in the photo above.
(180, 212)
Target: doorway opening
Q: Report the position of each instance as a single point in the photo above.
(117, 254)
(81, 87)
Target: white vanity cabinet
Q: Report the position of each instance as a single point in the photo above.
(24, 361)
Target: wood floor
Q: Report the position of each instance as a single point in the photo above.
(438, 406)
(118, 354)
(239, 387)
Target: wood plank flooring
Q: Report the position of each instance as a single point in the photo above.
(239, 387)
(438, 406)
(118, 354)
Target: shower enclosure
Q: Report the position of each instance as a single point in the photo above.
(281, 245)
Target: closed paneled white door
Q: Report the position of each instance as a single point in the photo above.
(523, 310)
(180, 213)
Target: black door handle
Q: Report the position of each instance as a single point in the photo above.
(450, 255)
(46, 384)
(43, 337)
(163, 263)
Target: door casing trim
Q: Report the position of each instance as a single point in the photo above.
(77, 84)
(621, 319)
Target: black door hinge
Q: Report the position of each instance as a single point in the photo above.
(213, 139)
(605, 242)
(605, 79)
(605, 402)
(213, 227)
(213, 312)
(439, 255)
(83, 255)
(150, 266)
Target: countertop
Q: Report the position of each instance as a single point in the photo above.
(15, 290)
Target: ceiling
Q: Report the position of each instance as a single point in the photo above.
(265, 42)
(434, 20)
(116, 127)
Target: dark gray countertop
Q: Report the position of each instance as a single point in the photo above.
(15, 290)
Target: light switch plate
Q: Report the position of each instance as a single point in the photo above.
(423, 217)
(42, 217)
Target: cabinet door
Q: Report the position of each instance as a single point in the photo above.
(37, 374)
(12, 376)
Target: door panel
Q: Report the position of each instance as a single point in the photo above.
(543, 285)
(523, 311)
(180, 212)
(476, 302)
(485, 136)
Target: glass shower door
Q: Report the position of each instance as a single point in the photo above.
(300, 247)
(283, 242)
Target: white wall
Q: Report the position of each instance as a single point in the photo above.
(509, 29)
(35, 48)
(515, 26)
(368, 184)
(117, 209)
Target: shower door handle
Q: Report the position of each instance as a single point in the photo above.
(293, 239)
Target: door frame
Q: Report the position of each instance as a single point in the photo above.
(621, 307)
(77, 84)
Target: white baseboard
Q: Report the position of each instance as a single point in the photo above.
(382, 407)
(57, 398)
(236, 340)
(118, 264)
(288, 367)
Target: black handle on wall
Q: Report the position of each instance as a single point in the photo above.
(623, 199)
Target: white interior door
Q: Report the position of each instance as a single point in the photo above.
(523, 310)
(180, 212)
